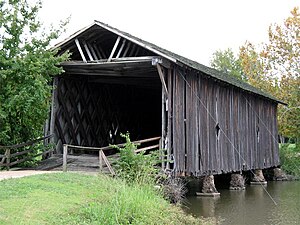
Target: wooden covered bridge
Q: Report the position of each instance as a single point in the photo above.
(209, 122)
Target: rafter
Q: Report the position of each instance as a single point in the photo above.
(114, 49)
(80, 50)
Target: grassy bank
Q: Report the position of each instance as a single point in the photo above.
(290, 159)
(68, 198)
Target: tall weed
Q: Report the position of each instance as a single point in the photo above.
(134, 167)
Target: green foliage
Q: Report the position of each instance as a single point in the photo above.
(136, 167)
(80, 199)
(272, 67)
(290, 159)
(26, 64)
(226, 62)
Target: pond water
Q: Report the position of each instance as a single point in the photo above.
(252, 206)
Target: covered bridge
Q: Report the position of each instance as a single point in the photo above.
(209, 122)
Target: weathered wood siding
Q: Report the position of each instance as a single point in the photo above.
(216, 128)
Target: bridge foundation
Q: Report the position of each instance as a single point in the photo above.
(208, 187)
(258, 178)
(279, 175)
(237, 182)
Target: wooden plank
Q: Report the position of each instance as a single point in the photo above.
(87, 50)
(100, 161)
(147, 148)
(162, 79)
(114, 49)
(26, 143)
(65, 155)
(126, 50)
(93, 52)
(121, 48)
(108, 164)
(80, 50)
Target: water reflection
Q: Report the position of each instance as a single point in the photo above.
(251, 206)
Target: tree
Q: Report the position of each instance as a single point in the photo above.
(273, 67)
(281, 58)
(27, 66)
(226, 62)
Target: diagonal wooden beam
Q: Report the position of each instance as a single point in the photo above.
(161, 76)
(87, 50)
(80, 50)
(121, 49)
(114, 49)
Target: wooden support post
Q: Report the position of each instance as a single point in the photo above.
(114, 49)
(161, 76)
(80, 50)
(100, 161)
(65, 154)
(8, 159)
(53, 112)
(163, 127)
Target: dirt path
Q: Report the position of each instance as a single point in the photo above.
(21, 173)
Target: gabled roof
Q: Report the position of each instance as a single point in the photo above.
(173, 57)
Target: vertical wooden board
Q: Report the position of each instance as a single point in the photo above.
(203, 126)
(211, 116)
(178, 122)
(224, 142)
(191, 124)
(170, 117)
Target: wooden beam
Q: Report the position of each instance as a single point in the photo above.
(65, 153)
(88, 51)
(53, 109)
(161, 76)
(98, 52)
(92, 51)
(126, 50)
(114, 49)
(121, 49)
(80, 50)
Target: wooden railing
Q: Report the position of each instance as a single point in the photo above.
(7, 161)
(102, 157)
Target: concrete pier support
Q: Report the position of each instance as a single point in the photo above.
(279, 175)
(208, 187)
(237, 182)
(258, 178)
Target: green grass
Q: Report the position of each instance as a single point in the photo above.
(69, 198)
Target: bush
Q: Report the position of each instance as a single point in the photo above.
(136, 167)
(290, 159)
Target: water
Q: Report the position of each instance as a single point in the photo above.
(252, 206)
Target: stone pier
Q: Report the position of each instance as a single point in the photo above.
(258, 178)
(237, 182)
(208, 187)
(279, 175)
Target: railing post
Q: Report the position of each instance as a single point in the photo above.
(100, 161)
(8, 159)
(65, 153)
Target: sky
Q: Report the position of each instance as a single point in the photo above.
(191, 28)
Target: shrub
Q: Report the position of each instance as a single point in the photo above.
(290, 159)
(136, 167)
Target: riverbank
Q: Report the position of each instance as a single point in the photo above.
(70, 198)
